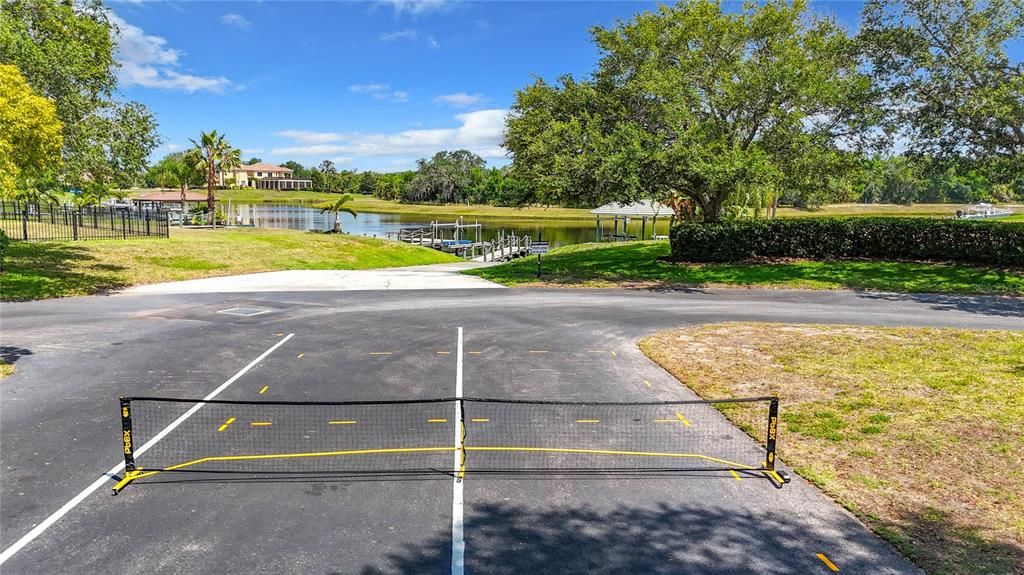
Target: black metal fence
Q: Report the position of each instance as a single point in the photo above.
(51, 222)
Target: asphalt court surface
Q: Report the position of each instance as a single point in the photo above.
(75, 357)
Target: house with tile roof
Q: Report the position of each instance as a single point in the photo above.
(263, 176)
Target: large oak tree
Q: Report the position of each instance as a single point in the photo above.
(696, 101)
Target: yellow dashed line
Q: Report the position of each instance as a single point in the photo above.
(683, 419)
(647, 383)
(260, 423)
(278, 334)
(588, 420)
(380, 353)
(225, 425)
(538, 351)
(480, 420)
(342, 422)
(613, 354)
(437, 421)
(829, 564)
(735, 475)
(300, 356)
(665, 420)
(442, 352)
(264, 390)
(475, 352)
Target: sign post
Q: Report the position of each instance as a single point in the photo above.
(538, 248)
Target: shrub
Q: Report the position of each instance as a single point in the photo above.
(884, 238)
(4, 240)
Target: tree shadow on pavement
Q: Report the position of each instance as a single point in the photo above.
(507, 539)
(1004, 306)
(11, 353)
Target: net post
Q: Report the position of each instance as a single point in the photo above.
(129, 445)
(776, 477)
(773, 430)
(462, 442)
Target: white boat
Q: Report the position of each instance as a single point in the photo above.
(982, 211)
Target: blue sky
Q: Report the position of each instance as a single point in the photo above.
(369, 85)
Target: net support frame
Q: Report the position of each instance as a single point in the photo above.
(133, 472)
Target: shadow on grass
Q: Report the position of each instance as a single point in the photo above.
(663, 538)
(52, 269)
(979, 304)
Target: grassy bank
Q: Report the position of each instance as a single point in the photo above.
(56, 269)
(637, 264)
(371, 204)
(920, 432)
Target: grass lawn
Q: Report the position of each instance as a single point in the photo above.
(56, 269)
(636, 264)
(920, 432)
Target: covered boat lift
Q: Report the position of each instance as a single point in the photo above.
(637, 213)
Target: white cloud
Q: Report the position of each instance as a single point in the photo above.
(236, 20)
(307, 137)
(480, 132)
(459, 99)
(432, 42)
(408, 34)
(416, 7)
(380, 92)
(147, 61)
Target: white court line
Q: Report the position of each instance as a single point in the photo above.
(458, 543)
(108, 476)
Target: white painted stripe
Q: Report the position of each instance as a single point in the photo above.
(108, 476)
(458, 543)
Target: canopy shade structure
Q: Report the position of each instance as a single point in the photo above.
(637, 212)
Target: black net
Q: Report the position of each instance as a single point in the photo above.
(443, 435)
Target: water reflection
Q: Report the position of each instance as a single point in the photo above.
(557, 232)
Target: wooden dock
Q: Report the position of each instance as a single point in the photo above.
(452, 238)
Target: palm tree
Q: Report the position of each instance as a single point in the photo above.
(337, 207)
(215, 154)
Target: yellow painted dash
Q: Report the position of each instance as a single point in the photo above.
(343, 422)
(588, 421)
(538, 351)
(443, 352)
(735, 475)
(647, 383)
(225, 425)
(380, 353)
(613, 354)
(475, 352)
(683, 419)
(264, 390)
(829, 564)
(437, 421)
(260, 423)
(665, 420)
(300, 356)
(480, 420)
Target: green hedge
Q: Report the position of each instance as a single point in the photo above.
(892, 238)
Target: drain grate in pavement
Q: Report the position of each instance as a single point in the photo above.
(245, 311)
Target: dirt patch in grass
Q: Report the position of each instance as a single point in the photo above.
(920, 432)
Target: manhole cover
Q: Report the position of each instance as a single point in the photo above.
(245, 311)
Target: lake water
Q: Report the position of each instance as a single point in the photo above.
(294, 217)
